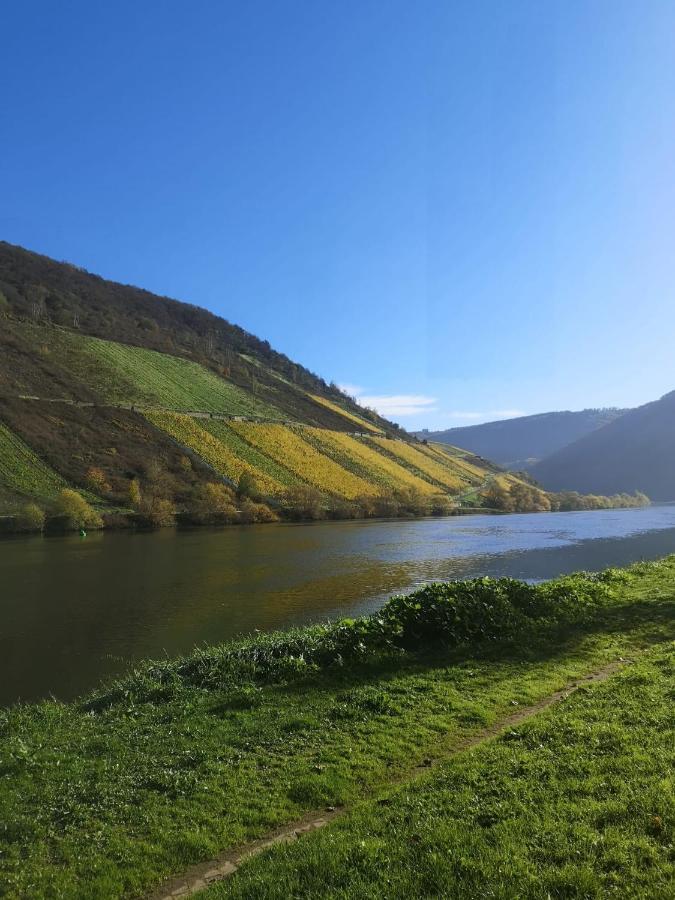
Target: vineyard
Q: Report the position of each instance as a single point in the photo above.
(469, 469)
(359, 456)
(22, 473)
(250, 454)
(360, 422)
(287, 448)
(119, 373)
(335, 463)
(413, 458)
(216, 453)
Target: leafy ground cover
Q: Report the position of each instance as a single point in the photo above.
(578, 802)
(105, 797)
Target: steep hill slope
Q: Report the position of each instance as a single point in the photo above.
(518, 443)
(37, 291)
(102, 385)
(634, 452)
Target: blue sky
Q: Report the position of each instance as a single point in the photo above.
(461, 210)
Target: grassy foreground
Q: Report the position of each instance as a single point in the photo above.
(181, 759)
(579, 802)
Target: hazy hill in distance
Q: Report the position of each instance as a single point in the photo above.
(518, 443)
(634, 452)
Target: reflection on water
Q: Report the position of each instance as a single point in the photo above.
(75, 610)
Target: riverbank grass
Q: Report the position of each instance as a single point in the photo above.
(578, 802)
(182, 759)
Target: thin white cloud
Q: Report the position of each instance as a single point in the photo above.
(399, 404)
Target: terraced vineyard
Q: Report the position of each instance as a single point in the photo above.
(22, 473)
(360, 422)
(358, 456)
(168, 381)
(469, 466)
(122, 374)
(259, 462)
(443, 475)
(212, 450)
(287, 447)
(336, 463)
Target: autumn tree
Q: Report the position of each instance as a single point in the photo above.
(499, 497)
(97, 481)
(135, 495)
(74, 512)
(304, 502)
(212, 504)
(31, 518)
(247, 487)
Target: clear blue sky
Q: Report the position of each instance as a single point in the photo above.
(467, 207)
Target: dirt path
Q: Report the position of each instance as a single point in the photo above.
(225, 864)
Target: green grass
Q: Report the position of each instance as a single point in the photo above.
(22, 473)
(182, 759)
(578, 802)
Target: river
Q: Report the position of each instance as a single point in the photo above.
(77, 610)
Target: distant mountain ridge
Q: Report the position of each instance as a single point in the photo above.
(518, 443)
(634, 452)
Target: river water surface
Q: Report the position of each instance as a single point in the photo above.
(74, 610)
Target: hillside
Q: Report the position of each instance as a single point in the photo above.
(37, 290)
(634, 452)
(517, 443)
(103, 385)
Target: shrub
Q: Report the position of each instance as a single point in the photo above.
(251, 513)
(135, 496)
(264, 513)
(96, 480)
(247, 487)
(386, 506)
(212, 504)
(304, 502)
(31, 518)
(451, 615)
(342, 509)
(185, 464)
(72, 511)
(412, 502)
(440, 506)
(156, 512)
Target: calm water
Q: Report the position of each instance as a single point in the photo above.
(74, 610)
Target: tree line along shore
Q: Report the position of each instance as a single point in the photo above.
(218, 504)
